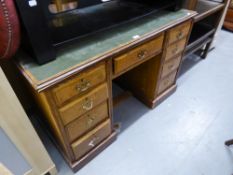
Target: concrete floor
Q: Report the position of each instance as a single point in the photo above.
(184, 135)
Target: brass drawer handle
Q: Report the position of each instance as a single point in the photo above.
(175, 51)
(83, 86)
(170, 67)
(142, 54)
(179, 35)
(90, 120)
(88, 104)
(166, 82)
(94, 141)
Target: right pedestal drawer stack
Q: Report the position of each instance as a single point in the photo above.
(176, 39)
(155, 79)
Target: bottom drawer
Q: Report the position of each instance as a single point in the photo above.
(166, 82)
(92, 139)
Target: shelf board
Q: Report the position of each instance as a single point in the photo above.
(206, 8)
(201, 35)
(197, 47)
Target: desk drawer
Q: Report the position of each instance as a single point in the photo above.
(179, 32)
(87, 122)
(171, 66)
(166, 82)
(84, 104)
(138, 54)
(175, 49)
(82, 83)
(229, 16)
(91, 140)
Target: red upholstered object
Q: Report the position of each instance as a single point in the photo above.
(9, 29)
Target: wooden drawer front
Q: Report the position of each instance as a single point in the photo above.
(229, 16)
(179, 32)
(175, 49)
(84, 104)
(166, 82)
(171, 66)
(91, 140)
(82, 83)
(87, 122)
(138, 54)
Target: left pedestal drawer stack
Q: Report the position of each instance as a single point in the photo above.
(78, 111)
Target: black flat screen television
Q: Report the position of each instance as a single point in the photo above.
(49, 24)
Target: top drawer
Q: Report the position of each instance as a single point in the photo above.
(82, 83)
(138, 54)
(179, 32)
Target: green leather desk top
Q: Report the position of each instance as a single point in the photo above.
(93, 48)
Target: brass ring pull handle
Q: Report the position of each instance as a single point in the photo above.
(90, 120)
(83, 85)
(88, 104)
(142, 54)
(94, 141)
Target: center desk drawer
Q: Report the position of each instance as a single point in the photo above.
(84, 104)
(82, 83)
(87, 121)
(179, 32)
(138, 54)
(91, 140)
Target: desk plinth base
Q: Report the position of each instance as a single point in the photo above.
(153, 103)
(163, 96)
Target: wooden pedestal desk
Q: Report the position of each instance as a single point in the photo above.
(75, 90)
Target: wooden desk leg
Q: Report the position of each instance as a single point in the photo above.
(206, 50)
(229, 143)
(17, 126)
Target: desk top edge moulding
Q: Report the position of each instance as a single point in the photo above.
(91, 50)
